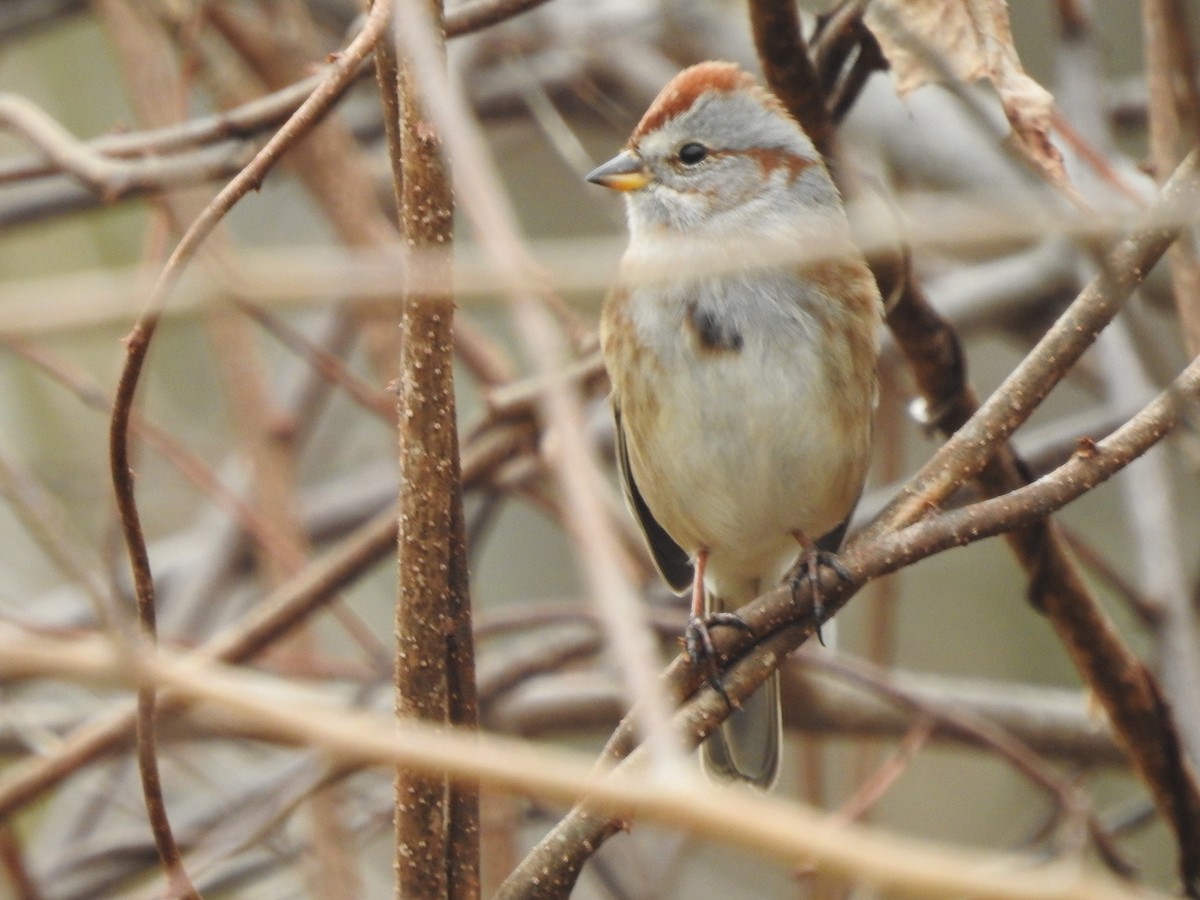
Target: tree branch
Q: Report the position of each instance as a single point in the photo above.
(789, 72)
(755, 821)
(883, 548)
(437, 823)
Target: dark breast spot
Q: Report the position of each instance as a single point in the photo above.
(714, 333)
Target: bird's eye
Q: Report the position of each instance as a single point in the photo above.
(690, 154)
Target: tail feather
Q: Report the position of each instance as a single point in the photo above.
(746, 746)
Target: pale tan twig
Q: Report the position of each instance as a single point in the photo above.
(112, 178)
(304, 277)
(757, 822)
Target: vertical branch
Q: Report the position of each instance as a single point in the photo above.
(137, 344)
(437, 824)
(1174, 126)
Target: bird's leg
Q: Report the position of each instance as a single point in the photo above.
(698, 584)
(696, 637)
(808, 568)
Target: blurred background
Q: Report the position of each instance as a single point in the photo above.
(231, 391)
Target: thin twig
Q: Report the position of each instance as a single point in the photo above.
(189, 464)
(112, 178)
(41, 516)
(755, 821)
(874, 788)
(1067, 796)
(477, 15)
(1141, 720)
(140, 44)
(327, 365)
(137, 346)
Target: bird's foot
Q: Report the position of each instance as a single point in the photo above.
(697, 640)
(808, 569)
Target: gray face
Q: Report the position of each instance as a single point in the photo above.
(731, 160)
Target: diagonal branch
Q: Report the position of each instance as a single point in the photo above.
(788, 69)
(1138, 715)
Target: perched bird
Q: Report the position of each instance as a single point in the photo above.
(743, 394)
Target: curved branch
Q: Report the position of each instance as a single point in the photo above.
(789, 72)
(137, 347)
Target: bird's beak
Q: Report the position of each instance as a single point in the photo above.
(624, 172)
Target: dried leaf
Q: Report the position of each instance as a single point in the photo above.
(935, 40)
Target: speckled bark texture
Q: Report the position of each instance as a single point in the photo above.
(436, 822)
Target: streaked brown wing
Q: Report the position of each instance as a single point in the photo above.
(670, 559)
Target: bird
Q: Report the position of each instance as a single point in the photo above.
(740, 338)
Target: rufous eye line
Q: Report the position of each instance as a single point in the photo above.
(769, 159)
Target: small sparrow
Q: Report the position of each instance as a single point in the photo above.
(741, 341)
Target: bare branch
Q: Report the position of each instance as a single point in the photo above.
(437, 824)
(113, 178)
(755, 821)
(789, 72)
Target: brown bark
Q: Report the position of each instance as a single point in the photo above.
(437, 822)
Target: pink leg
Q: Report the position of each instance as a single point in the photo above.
(802, 540)
(698, 584)
(696, 637)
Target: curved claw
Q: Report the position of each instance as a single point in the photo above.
(697, 640)
(808, 568)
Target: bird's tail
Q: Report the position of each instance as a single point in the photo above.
(746, 746)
